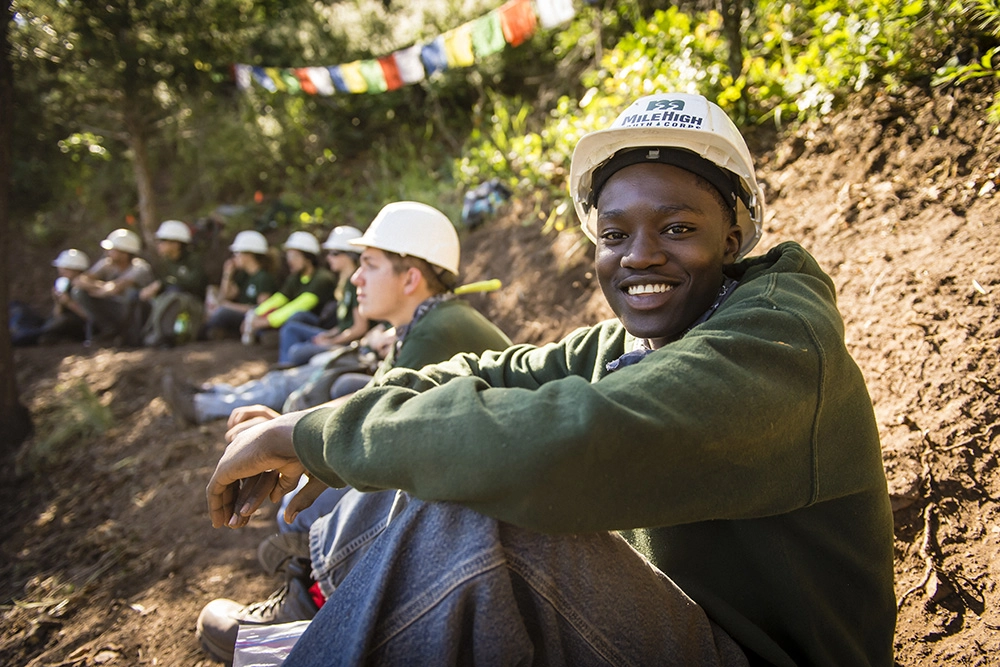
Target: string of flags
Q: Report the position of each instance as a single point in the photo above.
(513, 23)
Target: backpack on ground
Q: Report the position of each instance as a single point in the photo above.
(174, 319)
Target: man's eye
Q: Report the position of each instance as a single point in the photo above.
(612, 235)
(678, 229)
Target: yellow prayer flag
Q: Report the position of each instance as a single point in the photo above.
(353, 78)
(458, 46)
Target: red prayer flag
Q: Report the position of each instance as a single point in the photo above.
(302, 74)
(392, 78)
(518, 21)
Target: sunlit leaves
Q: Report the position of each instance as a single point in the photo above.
(82, 144)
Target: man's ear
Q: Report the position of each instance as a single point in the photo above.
(413, 280)
(734, 241)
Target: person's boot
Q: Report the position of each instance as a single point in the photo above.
(220, 619)
(179, 397)
(277, 551)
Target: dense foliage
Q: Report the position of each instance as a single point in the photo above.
(799, 61)
(127, 110)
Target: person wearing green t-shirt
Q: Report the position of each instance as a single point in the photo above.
(246, 283)
(698, 482)
(307, 289)
(176, 268)
(172, 305)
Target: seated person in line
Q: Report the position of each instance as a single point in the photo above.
(109, 290)
(177, 268)
(246, 283)
(306, 290)
(300, 338)
(719, 423)
(408, 268)
(68, 319)
(179, 285)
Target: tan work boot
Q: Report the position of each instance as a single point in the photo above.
(220, 620)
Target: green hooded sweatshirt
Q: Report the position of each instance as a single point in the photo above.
(743, 459)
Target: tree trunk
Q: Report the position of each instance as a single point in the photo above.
(15, 422)
(143, 183)
(135, 125)
(732, 17)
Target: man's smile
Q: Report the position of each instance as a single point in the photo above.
(648, 288)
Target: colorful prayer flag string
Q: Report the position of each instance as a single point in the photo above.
(511, 24)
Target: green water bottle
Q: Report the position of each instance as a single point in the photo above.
(182, 328)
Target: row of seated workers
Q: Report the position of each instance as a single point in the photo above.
(124, 299)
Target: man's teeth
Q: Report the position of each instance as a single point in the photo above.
(649, 289)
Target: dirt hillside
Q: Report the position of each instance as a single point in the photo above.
(107, 552)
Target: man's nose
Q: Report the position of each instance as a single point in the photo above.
(644, 250)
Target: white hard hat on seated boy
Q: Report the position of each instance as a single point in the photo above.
(340, 239)
(250, 241)
(74, 259)
(124, 240)
(174, 230)
(303, 242)
(678, 129)
(415, 229)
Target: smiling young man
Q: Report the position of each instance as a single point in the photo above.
(651, 211)
(719, 423)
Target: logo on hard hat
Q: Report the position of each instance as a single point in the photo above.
(663, 113)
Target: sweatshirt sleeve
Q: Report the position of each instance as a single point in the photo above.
(721, 424)
(524, 366)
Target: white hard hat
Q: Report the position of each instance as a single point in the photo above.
(303, 241)
(415, 229)
(174, 230)
(72, 259)
(341, 237)
(250, 241)
(123, 239)
(672, 121)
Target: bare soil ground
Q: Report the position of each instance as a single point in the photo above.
(107, 552)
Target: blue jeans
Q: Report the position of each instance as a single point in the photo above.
(271, 390)
(440, 584)
(323, 505)
(295, 339)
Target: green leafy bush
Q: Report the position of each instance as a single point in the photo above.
(987, 66)
(516, 116)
